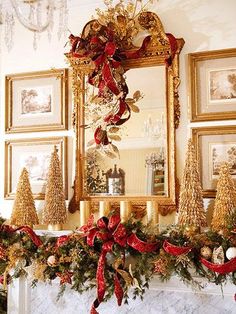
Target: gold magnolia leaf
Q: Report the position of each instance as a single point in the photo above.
(90, 143)
(96, 99)
(135, 283)
(130, 271)
(137, 95)
(109, 154)
(126, 276)
(130, 7)
(121, 20)
(117, 263)
(95, 117)
(113, 129)
(115, 149)
(134, 108)
(114, 137)
(130, 101)
(94, 173)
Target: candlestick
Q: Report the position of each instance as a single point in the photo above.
(104, 208)
(84, 212)
(125, 210)
(152, 213)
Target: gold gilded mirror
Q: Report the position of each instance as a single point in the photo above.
(126, 109)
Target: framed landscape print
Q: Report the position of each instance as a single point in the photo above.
(214, 145)
(34, 154)
(37, 101)
(213, 85)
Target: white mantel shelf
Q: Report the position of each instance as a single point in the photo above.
(171, 297)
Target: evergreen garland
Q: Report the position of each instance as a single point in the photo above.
(74, 260)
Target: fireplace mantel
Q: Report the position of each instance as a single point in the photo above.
(169, 297)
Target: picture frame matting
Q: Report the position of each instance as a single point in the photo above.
(35, 155)
(212, 85)
(214, 145)
(36, 101)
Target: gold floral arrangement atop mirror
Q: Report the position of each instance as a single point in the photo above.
(125, 85)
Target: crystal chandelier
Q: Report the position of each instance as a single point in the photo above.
(155, 161)
(35, 15)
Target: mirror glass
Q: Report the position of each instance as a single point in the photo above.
(139, 167)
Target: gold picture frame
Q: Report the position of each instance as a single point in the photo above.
(213, 85)
(36, 101)
(214, 144)
(34, 154)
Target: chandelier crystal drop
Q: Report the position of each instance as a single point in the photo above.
(36, 16)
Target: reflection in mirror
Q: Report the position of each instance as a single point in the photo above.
(139, 166)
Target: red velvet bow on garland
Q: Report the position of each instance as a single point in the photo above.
(110, 232)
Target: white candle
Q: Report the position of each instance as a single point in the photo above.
(125, 210)
(104, 208)
(84, 212)
(152, 212)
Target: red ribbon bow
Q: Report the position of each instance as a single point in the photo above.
(106, 55)
(110, 232)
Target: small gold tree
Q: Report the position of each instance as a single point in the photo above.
(24, 212)
(225, 202)
(191, 208)
(54, 213)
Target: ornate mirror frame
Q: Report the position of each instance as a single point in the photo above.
(162, 49)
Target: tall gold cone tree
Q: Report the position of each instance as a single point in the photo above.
(54, 211)
(225, 202)
(191, 208)
(24, 212)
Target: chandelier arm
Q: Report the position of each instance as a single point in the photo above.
(29, 25)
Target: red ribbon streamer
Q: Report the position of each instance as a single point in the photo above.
(173, 48)
(2, 252)
(1, 279)
(118, 290)
(175, 250)
(33, 236)
(220, 268)
(62, 240)
(140, 245)
(7, 229)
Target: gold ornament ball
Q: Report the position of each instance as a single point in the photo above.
(52, 261)
(206, 252)
(231, 253)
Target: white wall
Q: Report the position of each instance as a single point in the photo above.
(204, 24)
